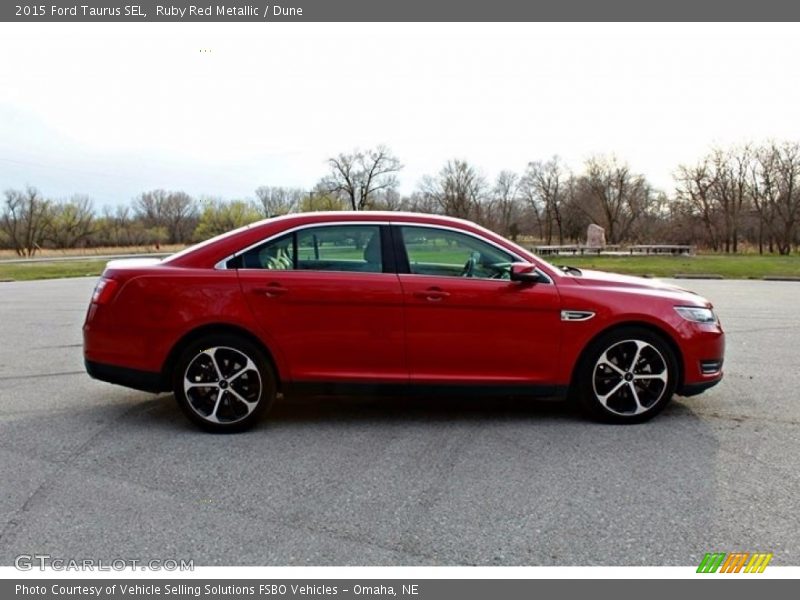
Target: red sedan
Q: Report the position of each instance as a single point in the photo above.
(342, 302)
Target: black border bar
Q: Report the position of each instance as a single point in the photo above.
(398, 10)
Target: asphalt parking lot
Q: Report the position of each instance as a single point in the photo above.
(92, 470)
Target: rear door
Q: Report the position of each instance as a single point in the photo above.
(466, 321)
(328, 298)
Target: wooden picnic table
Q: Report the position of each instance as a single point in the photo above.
(673, 249)
(572, 249)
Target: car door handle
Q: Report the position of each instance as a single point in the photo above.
(432, 294)
(273, 290)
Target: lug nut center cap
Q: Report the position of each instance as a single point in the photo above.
(223, 384)
(628, 376)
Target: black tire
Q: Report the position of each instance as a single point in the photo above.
(621, 392)
(233, 402)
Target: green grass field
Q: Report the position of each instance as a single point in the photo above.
(734, 267)
(51, 270)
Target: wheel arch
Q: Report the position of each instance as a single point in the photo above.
(212, 329)
(660, 332)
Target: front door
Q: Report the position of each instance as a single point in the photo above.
(466, 321)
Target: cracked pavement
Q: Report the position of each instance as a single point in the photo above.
(93, 470)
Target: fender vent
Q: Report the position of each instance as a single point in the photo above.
(576, 315)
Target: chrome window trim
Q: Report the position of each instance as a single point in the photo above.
(222, 264)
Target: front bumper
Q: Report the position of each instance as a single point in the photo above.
(692, 389)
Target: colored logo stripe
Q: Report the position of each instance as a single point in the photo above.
(711, 562)
(734, 562)
(758, 563)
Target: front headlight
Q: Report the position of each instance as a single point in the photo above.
(696, 314)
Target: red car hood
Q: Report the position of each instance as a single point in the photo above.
(603, 279)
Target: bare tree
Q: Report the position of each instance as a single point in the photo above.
(421, 203)
(25, 217)
(734, 169)
(70, 222)
(544, 189)
(277, 201)
(766, 191)
(720, 187)
(319, 199)
(458, 190)
(388, 199)
(218, 216)
(574, 217)
(117, 227)
(778, 200)
(359, 176)
(695, 187)
(730, 186)
(176, 212)
(614, 196)
(506, 203)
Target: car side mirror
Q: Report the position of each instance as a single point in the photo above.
(525, 273)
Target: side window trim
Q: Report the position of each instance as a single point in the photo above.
(383, 230)
(389, 253)
(400, 252)
(294, 251)
(221, 264)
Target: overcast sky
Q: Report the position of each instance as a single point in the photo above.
(114, 109)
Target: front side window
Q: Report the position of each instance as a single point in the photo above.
(441, 252)
(351, 248)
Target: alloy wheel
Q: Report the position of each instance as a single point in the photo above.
(222, 385)
(630, 377)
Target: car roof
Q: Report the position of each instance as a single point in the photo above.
(209, 252)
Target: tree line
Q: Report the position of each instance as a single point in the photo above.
(738, 197)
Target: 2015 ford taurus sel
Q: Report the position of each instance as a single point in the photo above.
(334, 301)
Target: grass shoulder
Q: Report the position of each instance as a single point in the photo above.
(51, 270)
(729, 266)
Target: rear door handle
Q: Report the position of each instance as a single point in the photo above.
(433, 294)
(273, 290)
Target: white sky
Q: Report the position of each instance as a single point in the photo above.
(111, 110)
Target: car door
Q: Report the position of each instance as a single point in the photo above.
(328, 298)
(466, 321)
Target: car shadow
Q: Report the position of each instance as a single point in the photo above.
(415, 407)
(162, 411)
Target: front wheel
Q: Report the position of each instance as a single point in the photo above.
(224, 383)
(627, 376)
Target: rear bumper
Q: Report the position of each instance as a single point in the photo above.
(145, 381)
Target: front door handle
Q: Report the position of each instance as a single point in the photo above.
(433, 294)
(273, 290)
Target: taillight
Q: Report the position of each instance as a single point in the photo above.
(104, 290)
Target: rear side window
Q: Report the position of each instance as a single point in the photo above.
(340, 248)
(350, 248)
(277, 254)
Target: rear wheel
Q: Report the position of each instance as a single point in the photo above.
(224, 383)
(627, 376)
